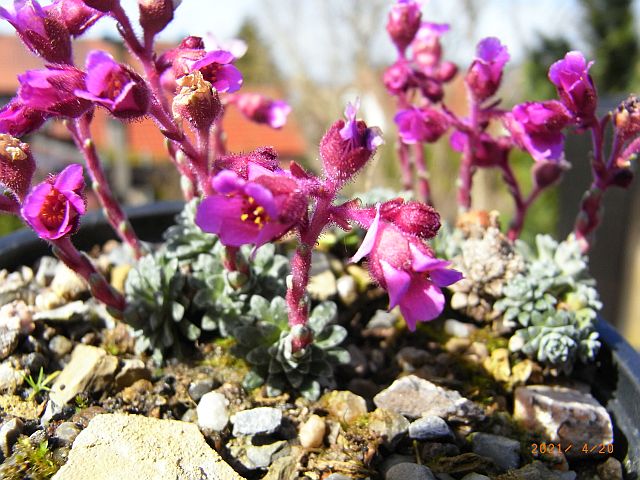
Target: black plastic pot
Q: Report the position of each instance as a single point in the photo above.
(617, 375)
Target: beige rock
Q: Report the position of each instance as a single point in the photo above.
(67, 284)
(344, 405)
(119, 275)
(125, 447)
(90, 369)
(312, 432)
(322, 286)
(563, 415)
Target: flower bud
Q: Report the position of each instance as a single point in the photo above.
(447, 71)
(102, 5)
(403, 23)
(156, 14)
(414, 218)
(347, 146)
(622, 177)
(575, 86)
(398, 77)
(546, 173)
(485, 73)
(16, 166)
(417, 125)
(18, 120)
(196, 101)
(75, 15)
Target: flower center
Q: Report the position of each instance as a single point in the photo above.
(254, 213)
(53, 209)
(210, 72)
(114, 86)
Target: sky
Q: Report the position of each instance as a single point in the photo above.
(516, 22)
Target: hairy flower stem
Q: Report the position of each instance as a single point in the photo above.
(403, 150)
(115, 215)
(424, 189)
(467, 168)
(98, 285)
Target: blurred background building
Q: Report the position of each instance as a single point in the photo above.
(319, 54)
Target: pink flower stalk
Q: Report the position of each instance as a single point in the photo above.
(261, 109)
(485, 73)
(114, 87)
(17, 166)
(52, 91)
(18, 120)
(216, 67)
(53, 207)
(405, 267)
(424, 124)
(403, 23)
(575, 86)
(41, 31)
(347, 146)
(488, 151)
(254, 211)
(74, 14)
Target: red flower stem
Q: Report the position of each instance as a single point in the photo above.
(467, 169)
(403, 150)
(9, 205)
(219, 142)
(81, 134)
(424, 189)
(98, 285)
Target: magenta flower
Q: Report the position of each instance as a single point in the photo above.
(216, 67)
(420, 125)
(398, 78)
(575, 86)
(18, 120)
(52, 91)
(348, 145)
(42, 32)
(53, 207)
(114, 86)
(254, 211)
(74, 14)
(426, 47)
(485, 73)
(261, 109)
(403, 23)
(405, 267)
(537, 128)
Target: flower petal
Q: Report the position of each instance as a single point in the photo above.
(421, 262)
(422, 302)
(398, 282)
(226, 182)
(70, 179)
(369, 239)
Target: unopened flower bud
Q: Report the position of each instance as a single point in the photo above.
(196, 101)
(575, 86)
(403, 23)
(622, 176)
(102, 5)
(261, 109)
(546, 173)
(156, 14)
(412, 217)
(485, 73)
(75, 15)
(16, 166)
(447, 71)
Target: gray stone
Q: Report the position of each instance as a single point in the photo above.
(537, 470)
(563, 415)
(475, 476)
(338, 476)
(390, 426)
(382, 319)
(571, 475)
(60, 345)
(415, 397)
(256, 420)
(10, 377)
(212, 412)
(460, 329)
(122, 447)
(505, 452)
(68, 312)
(191, 415)
(90, 369)
(67, 432)
(609, 470)
(406, 470)
(132, 370)
(412, 358)
(262, 456)
(199, 387)
(9, 433)
(430, 428)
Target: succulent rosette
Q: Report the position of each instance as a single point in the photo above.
(53, 207)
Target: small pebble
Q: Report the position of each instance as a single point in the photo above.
(430, 428)
(460, 329)
(433, 450)
(199, 387)
(475, 476)
(413, 471)
(262, 456)
(505, 452)
(212, 412)
(347, 289)
(344, 405)
(610, 470)
(312, 432)
(60, 346)
(67, 432)
(256, 420)
(132, 370)
(9, 433)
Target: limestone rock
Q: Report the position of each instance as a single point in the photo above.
(256, 420)
(212, 411)
(415, 397)
(344, 405)
(66, 283)
(312, 432)
(122, 447)
(9, 433)
(90, 369)
(563, 415)
(132, 370)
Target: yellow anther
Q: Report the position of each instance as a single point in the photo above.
(244, 216)
(258, 210)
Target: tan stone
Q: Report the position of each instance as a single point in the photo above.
(312, 432)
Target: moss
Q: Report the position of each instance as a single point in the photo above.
(29, 461)
(228, 367)
(490, 339)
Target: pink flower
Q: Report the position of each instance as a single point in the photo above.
(405, 267)
(485, 73)
(261, 109)
(253, 211)
(403, 23)
(114, 86)
(18, 120)
(421, 125)
(53, 207)
(216, 66)
(575, 86)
